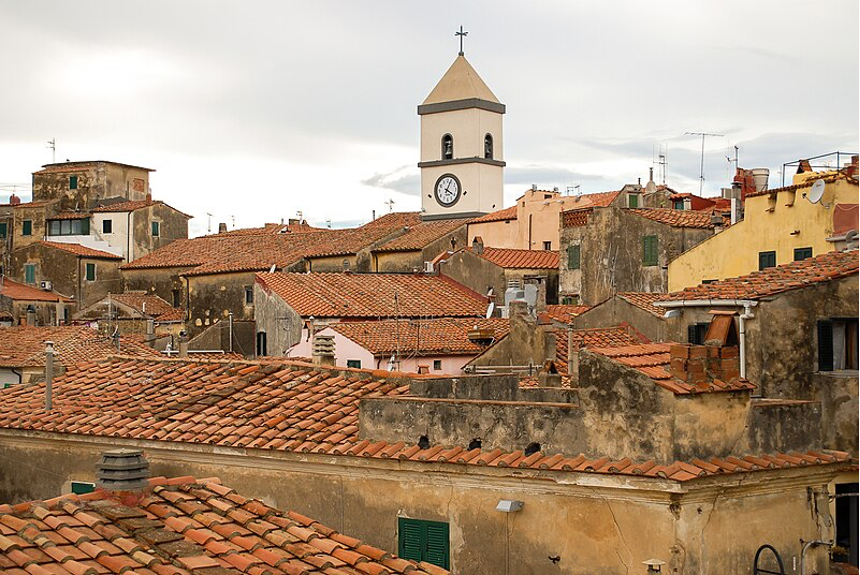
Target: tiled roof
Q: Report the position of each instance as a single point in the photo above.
(652, 359)
(272, 229)
(180, 526)
(564, 313)
(131, 206)
(602, 337)
(497, 216)
(22, 292)
(521, 259)
(418, 236)
(808, 183)
(770, 281)
(676, 218)
(69, 216)
(288, 407)
(354, 240)
(148, 304)
(421, 337)
(350, 295)
(599, 199)
(575, 217)
(24, 346)
(644, 300)
(81, 250)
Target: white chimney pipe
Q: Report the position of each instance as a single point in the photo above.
(49, 373)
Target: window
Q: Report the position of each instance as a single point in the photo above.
(837, 344)
(156, 229)
(649, 251)
(73, 182)
(91, 272)
(4, 228)
(249, 295)
(632, 200)
(107, 226)
(696, 333)
(573, 254)
(30, 273)
(570, 300)
(802, 254)
(547, 245)
(423, 541)
(261, 343)
(68, 227)
(679, 204)
(354, 363)
(27, 228)
(447, 147)
(176, 295)
(81, 487)
(766, 260)
(488, 147)
(437, 365)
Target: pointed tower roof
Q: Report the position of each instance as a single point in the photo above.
(460, 87)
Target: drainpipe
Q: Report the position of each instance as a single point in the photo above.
(806, 546)
(230, 330)
(743, 339)
(49, 373)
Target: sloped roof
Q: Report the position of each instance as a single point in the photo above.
(294, 408)
(421, 336)
(564, 313)
(147, 304)
(23, 292)
(180, 526)
(826, 177)
(350, 295)
(521, 259)
(676, 218)
(273, 229)
(460, 82)
(771, 281)
(653, 359)
(131, 206)
(645, 301)
(353, 240)
(418, 236)
(497, 216)
(24, 346)
(81, 250)
(602, 337)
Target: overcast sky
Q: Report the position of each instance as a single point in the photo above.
(257, 110)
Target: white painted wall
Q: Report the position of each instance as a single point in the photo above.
(118, 238)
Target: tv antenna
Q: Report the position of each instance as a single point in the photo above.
(702, 164)
(390, 204)
(577, 190)
(209, 223)
(233, 221)
(52, 144)
(662, 161)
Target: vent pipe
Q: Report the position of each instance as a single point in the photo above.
(183, 344)
(323, 347)
(123, 470)
(49, 374)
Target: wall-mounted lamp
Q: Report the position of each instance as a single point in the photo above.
(509, 506)
(654, 565)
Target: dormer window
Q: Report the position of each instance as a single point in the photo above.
(488, 146)
(447, 147)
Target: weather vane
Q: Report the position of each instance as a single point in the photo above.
(462, 35)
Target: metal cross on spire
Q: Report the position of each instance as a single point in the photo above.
(462, 35)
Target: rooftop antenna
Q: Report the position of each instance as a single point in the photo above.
(702, 165)
(734, 160)
(209, 224)
(52, 143)
(299, 215)
(328, 223)
(462, 35)
(390, 203)
(662, 161)
(233, 221)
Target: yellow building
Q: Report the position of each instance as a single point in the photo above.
(779, 226)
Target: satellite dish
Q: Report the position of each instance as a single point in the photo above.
(490, 309)
(816, 192)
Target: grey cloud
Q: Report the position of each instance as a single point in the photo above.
(395, 180)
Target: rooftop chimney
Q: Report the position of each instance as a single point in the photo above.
(123, 470)
(478, 245)
(14, 200)
(222, 228)
(148, 197)
(183, 344)
(323, 353)
(49, 374)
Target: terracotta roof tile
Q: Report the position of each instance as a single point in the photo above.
(808, 183)
(521, 259)
(346, 295)
(608, 337)
(418, 236)
(131, 206)
(81, 250)
(23, 292)
(354, 240)
(563, 313)
(149, 304)
(286, 399)
(676, 218)
(771, 281)
(421, 337)
(497, 216)
(272, 230)
(246, 536)
(644, 300)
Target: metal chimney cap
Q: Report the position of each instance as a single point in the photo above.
(123, 470)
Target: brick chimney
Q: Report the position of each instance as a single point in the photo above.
(148, 197)
(702, 363)
(123, 470)
(323, 351)
(222, 228)
(14, 200)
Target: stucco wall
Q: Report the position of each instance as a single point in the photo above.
(96, 181)
(615, 310)
(158, 281)
(281, 324)
(212, 297)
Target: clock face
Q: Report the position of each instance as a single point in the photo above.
(448, 190)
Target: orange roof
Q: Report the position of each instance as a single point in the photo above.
(521, 259)
(192, 527)
(676, 218)
(148, 304)
(564, 313)
(131, 206)
(81, 250)
(653, 359)
(22, 292)
(272, 229)
(599, 199)
(352, 241)
(497, 216)
(417, 237)
(24, 346)
(348, 295)
(601, 337)
(770, 281)
(827, 178)
(290, 407)
(421, 337)
(644, 300)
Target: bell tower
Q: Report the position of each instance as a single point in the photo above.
(462, 154)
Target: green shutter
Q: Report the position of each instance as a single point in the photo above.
(573, 255)
(437, 544)
(81, 487)
(411, 545)
(422, 540)
(85, 227)
(3, 229)
(649, 250)
(73, 182)
(91, 272)
(633, 200)
(155, 229)
(27, 228)
(825, 346)
(30, 273)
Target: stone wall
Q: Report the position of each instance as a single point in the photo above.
(615, 310)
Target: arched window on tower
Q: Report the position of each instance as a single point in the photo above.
(488, 146)
(447, 147)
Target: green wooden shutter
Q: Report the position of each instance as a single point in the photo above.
(573, 257)
(30, 273)
(649, 250)
(73, 182)
(422, 540)
(633, 200)
(27, 228)
(3, 229)
(411, 544)
(155, 229)
(91, 272)
(81, 487)
(85, 227)
(437, 544)
(825, 346)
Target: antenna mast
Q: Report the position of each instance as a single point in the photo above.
(702, 165)
(209, 223)
(52, 144)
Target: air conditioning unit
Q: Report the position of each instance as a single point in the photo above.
(46, 285)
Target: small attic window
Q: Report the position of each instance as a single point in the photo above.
(447, 147)
(488, 146)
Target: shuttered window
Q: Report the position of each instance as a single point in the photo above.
(82, 487)
(801, 254)
(91, 272)
(30, 273)
(573, 255)
(27, 228)
(3, 229)
(422, 540)
(649, 251)
(353, 363)
(632, 200)
(73, 182)
(156, 229)
(766, 260)
(825, 346)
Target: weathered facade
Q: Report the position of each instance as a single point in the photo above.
(606, 250)
(636, 309)
(139, 228)
(81, 185)
(32, 306)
